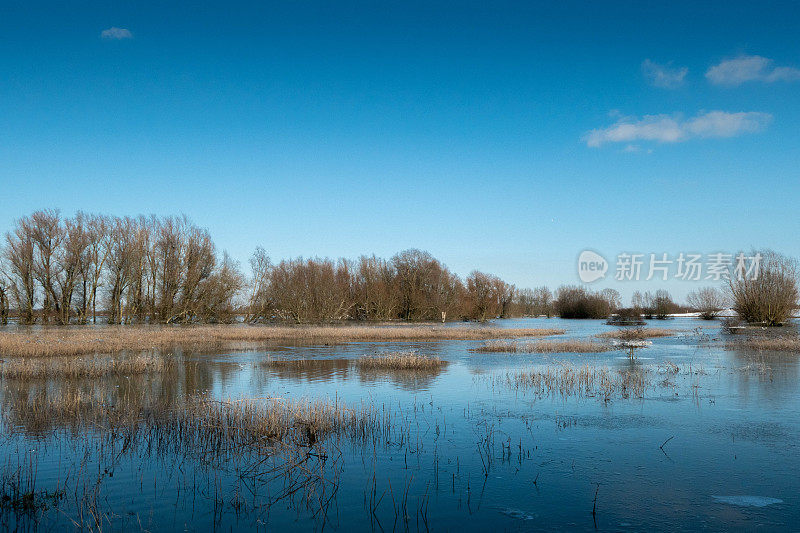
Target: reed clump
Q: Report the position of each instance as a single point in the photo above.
(565, 346)
(782, 343)
(633, 334)
(405, 360)
(115, 339)
(582, 381)
(199, 423)
(96, 367)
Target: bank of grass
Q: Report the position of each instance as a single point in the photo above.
(113, 339)
(635, 334)
(782, 343)
(94, 367)
(565, 346)
(407, 360)
(200, 423)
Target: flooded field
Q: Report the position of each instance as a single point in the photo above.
(681, 432)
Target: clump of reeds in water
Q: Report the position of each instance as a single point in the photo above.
(290, 363)
(565, 346)
(582, 381)
(95, 367)
(113, 339)
(634, 334)
(779, 343)
(406, 360)
(199, 423)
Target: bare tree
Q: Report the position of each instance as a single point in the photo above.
(48, 235)
(708, 301)
(772, 296)
(21, 270)
(4, 289)
(375, 289)
(260, 307)
(417, 284)
(483, 300)
(120, 258)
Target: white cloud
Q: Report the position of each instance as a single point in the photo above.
(675, 128)
(750, 68)
(664, 76)
(116, 34)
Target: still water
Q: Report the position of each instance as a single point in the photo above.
(713, 446)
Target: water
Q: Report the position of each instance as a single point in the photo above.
(713, 447)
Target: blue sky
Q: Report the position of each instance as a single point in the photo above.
(505, 137)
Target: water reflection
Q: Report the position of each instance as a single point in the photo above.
(484, 456)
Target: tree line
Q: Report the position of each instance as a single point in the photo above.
(149, 269)
(143, 269)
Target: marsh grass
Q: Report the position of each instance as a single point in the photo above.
(198, 423)
(782, 343)
(115, 339)
(565, 346)
(401, 360)
(633, 334)
(582, 381)
(72, 368)
(407, 360)
(290, 446)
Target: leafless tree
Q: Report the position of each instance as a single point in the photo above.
(708, 301)
(772, 296)
(21, 269)
(375, 289)
(483, 299)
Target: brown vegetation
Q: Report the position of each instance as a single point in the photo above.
(633, 334)
(708, 301)
(81, 368)
(149, 269)
(654, 305)
(771, 297)
(579, 302)
(167, 270)
(781, 343)
(107, 340)
(582, 381)
(565, 346)
(409, 360)
(200, 423)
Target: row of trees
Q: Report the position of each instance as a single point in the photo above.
(412, 285)
(166, 269)
(134, 269)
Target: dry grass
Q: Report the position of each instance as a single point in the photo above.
(199, 423)
(82, 368)
(582, 381)
(566, 346)
(633, 334)
(783, 343)
(399, 361)
(111, 339)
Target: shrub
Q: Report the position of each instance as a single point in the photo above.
(707, 301)
(772, 296)
(578, 302)
(627, 316)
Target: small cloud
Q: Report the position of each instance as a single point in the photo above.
(116, 34)
(675, 128)
(733, 72)
(664, 76)
(631, 148)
